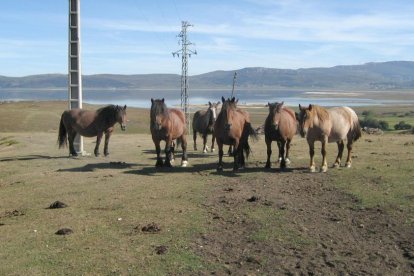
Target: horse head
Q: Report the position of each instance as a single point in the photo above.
(275, 111)
(159, 111)
(305, 119)
(229, 106)
(120, 116)
(212, 107)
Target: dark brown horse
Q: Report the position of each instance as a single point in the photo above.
(203, 123)
(280, 126)
(168, 124)
(329, 125)
(233, 127)
(89, 124)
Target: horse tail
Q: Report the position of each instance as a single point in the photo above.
(62, 138)
(249, 131)
(356, 130)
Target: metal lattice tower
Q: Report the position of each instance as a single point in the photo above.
(74, 64)
(185, 53)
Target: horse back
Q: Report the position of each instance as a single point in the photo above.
(177, 124)
(344, 121)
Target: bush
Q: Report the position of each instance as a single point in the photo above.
(374, 123)
(402, 126)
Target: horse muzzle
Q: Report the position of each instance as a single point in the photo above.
(227, 127)
(275, 126)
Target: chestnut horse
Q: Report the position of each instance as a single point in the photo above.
(203, 122)
(329, 125)
(89, 124)
(168, 124)
(280, 126)
(233, 127)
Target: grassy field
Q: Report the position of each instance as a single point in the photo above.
(256, 221)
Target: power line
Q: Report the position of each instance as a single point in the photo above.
(185, 54)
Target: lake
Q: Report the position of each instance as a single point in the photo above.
(142, 97)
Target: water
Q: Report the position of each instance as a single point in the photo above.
(142, 98)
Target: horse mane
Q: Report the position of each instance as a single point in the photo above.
(158, 107)
(321, 112)
(106, 109)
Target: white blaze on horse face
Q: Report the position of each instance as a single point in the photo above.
(214, 113)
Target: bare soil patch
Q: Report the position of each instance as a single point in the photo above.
(319, 230)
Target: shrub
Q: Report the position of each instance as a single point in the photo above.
(374, 123)
(402, 126)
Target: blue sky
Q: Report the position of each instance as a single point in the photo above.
(137, 37)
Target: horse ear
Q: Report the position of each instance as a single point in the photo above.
(267, 105)
(236, 101)
(209, 104)
(282, 103)
(310, 107)
(152, 100)
(162, 100)
(300, 107)
(222, 99)
(124, 107)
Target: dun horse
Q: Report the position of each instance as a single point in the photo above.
(233, 127)
(280, 126)
(168, 124)
(89, 124)
(329, 125)
(203, 123)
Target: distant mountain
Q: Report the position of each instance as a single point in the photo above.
(369, 76)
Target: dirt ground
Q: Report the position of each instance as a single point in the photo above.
(254, 222)
(329, 234)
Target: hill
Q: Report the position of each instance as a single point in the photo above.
(369, 76)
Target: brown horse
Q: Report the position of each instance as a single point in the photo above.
(329, 125)
(168, 124)
(203, 122)
(280, 126)
(89, 124)
(233, 127)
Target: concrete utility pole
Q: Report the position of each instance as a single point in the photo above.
(74, 64)
(185, 53)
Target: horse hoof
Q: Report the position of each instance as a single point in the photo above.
(336, 165)
(220, 169)
(287, 161)
(106, 153)
(172, 160)
(312, 169)
(213, 150)
(267, 166)
(184, 163)
(324, 169)
(204, 151)
(348, 165)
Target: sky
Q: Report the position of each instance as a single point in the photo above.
(138, 37)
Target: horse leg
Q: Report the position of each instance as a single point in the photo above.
(172, 152)
(236, 154)
(324, 167)
(167, 150)
(195, 139)
(312, 156)
(220, 163)
(108, 134)
(269, 152)
(71, 138)
(212, 142)
(341, 146)
(98, 142)
(348, 158)
(205, 148)
(184, 159)
(280, 155)
(287, 160)
(281, 145)
(158, 151)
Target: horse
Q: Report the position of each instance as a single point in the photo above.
(329, 125)
(89, 124)
(167, 124)
(280, 126)
(203, 122)
(233, 127)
